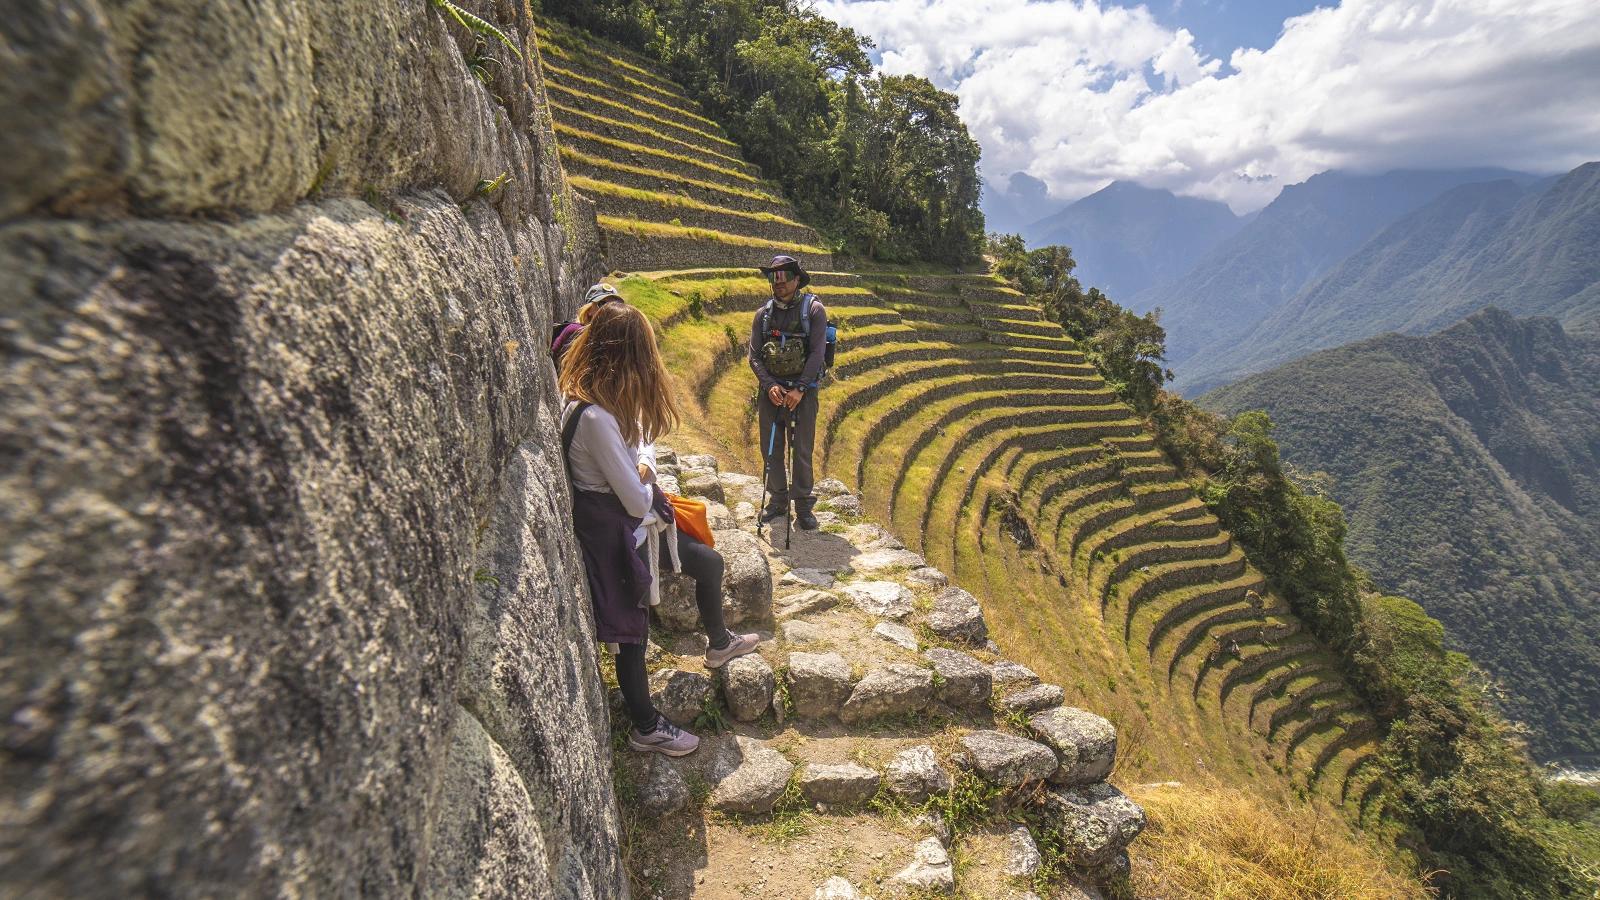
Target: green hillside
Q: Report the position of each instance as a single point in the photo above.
(1466, 462)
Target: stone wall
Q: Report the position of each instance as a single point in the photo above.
(289, 604)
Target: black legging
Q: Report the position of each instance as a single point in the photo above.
(704, 565)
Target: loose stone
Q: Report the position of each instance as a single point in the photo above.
(844, 504)
(679, 695)
(930, 868)
(800, 633)
(837, 888)
(1096, 822)
(759, 776)
(927, 577)
(874, 561)
(895, 634)
(805, 603)
(818, 578)
(964, 682)
(819, 683)
(1033, 699)
(664, 790)
(705, 486)
(1085, 744)
(698, 461)
(828, 488)
(883, 599)
(748, 686)
(915, 774)
(1010, 676)
(835, 785)
(957, 616)
(1008, 760)
(1022, 854)
(896, 689)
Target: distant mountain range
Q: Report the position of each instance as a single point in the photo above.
(1306, 231)
(1466, 462)
(1529, 250)
(1127, 238)
(1023, 201)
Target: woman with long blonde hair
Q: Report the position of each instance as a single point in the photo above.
(619, 402)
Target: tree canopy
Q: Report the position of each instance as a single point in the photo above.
(880, 164)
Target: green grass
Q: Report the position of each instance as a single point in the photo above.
(595, 82)
(599, 162)
(661, 230)
(713, 140)
(625, 147)
(672, 201)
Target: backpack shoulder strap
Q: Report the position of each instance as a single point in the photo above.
(805, 317)
(569, 431)
(766, 318)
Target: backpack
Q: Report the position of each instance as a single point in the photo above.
(562, 334)
(831, 337)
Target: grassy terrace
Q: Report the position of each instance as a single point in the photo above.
(669, 202)
(980, 434)
(663, 230)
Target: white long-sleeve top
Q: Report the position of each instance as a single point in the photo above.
(602, 461)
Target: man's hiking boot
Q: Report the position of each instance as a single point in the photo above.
(738, 645)
(771, 514)
(806, 519)
(667, 738)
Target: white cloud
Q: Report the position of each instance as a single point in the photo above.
(1080, 94)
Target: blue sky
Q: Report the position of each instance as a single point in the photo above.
(1233, 99)
(1222, 26)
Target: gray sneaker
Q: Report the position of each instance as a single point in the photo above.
(738, 645)
(667, 738)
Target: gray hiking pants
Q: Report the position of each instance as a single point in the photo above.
(775, 450)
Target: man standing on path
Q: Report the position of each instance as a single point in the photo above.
(787, 344)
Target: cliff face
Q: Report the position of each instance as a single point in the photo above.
(288, 603)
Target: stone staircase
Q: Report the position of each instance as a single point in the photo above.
(961, 416)
(878, 737)
(956, 417)
(671, 191)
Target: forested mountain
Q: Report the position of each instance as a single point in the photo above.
(1307, 230)
(1466, 463)
(1532, 250)
(1127, 238)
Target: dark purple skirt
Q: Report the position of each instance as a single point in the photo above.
(619, 581)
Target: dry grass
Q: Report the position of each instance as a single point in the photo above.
(1223, 844)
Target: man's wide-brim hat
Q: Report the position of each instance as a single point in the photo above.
(790, 264)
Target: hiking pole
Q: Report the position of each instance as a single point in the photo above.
(788, 474)
(766, 467)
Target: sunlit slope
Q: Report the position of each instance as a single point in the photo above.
(979, 433)
(670, 189)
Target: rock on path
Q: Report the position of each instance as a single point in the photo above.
(757, 778)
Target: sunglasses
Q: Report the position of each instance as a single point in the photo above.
(780, 276)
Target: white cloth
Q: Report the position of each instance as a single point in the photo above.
(600, 460)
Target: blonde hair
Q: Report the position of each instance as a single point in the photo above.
(614, 363)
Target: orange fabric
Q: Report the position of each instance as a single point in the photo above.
(691, 516)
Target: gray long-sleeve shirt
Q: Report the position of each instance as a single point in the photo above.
(789, 320)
